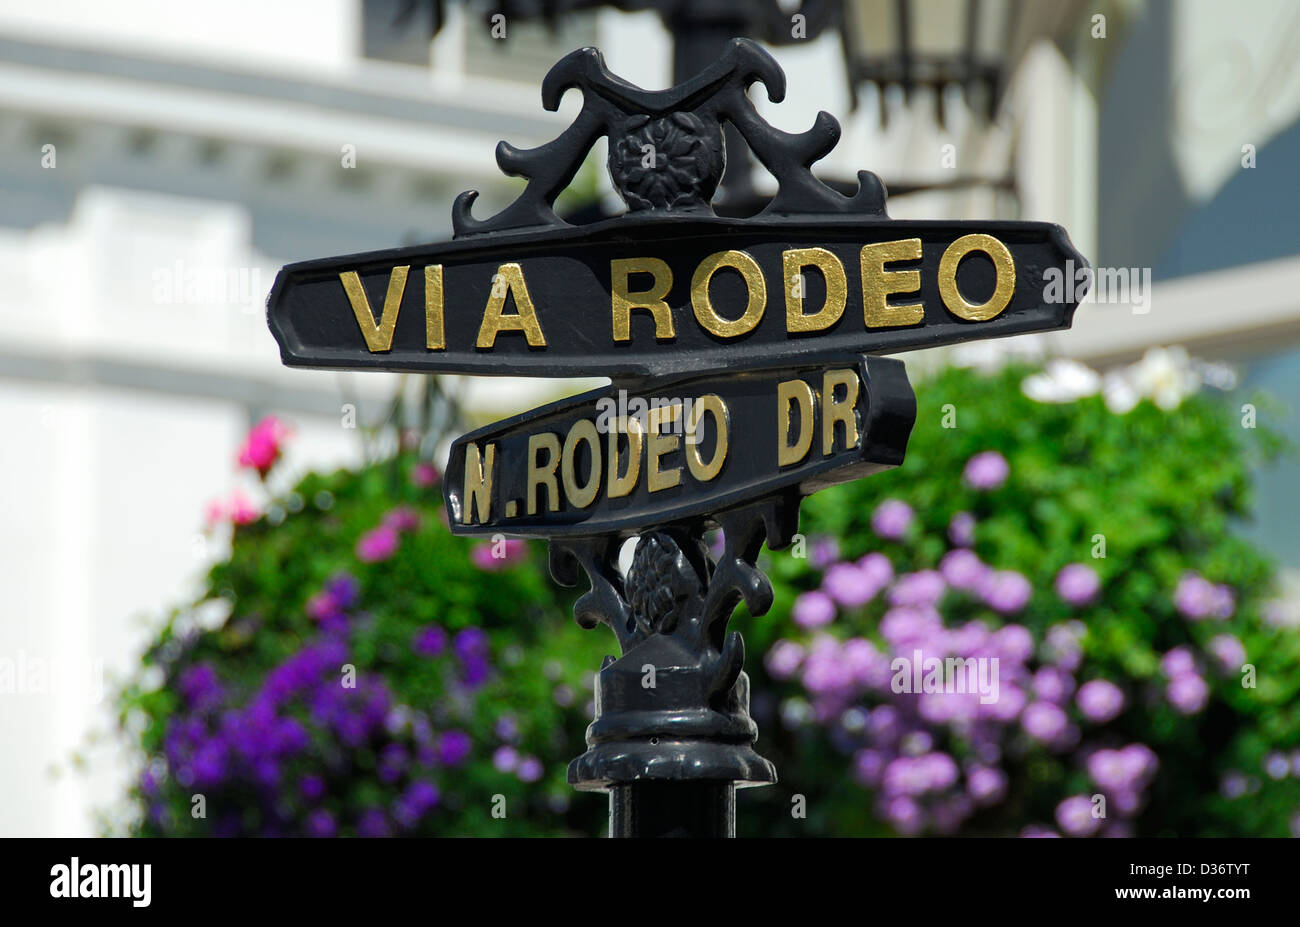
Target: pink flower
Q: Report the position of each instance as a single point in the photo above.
(262, 446)
(402, 518)
(924, 587)
(1177, 662)
(377, 544)
(237, 508)
(490, 556)
(425, 475)
(784, 659)
(986, 471)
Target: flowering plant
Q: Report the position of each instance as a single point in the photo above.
(1042, 624)
(353, 669)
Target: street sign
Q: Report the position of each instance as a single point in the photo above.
(615, 461)
(648, 298)
(745, 368)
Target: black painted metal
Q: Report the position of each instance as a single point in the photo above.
(675, 809)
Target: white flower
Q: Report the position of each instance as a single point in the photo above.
(1062, 380)
(1120, 392)
(1166, 375)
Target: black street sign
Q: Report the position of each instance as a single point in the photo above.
(615, 461)
(648, 297)
(745, 367)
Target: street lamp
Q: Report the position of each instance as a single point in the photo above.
(930, 43)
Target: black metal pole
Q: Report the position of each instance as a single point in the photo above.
(673, 809)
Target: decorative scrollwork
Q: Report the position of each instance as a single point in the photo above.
(666, 149)
(691, 721)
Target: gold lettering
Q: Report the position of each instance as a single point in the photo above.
(839, 410)
(876, 310)
(378, 337)
(543, 474)
(581, 496)
(659, 445)
(620, 486)
(435, 339)
(652, 299)
(1003, 288)
(713, 405)
(510, 280)
(837, 289)
(747, 267)
(801, 394)
(478, 482)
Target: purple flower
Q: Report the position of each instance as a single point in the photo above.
(1075, 817)
(393, 761)
(961, 529)
(1006, 591)
(1100, 701)
(1229, 653)
(471, 642)
(1188, 693)
(199, 686)
(430, 641)
(1035, 830)
(453, 747)
(962, 569)
(849, 585)
(343, 589)
(868, 766)
(1014, 643)
(1178, 662)
(376, 545)
(475, 671)
(312, 787)
(1053, 684)
(424, 475)
(905, 815)
(1044, 722)
(1197, 598)
(784, 659)
(506, 759)
(891, 519)
(529, 770)
(877, 569)
(320, 823)
(1277, 765)
(986, 785)
(1122, 771)
(422, 796)
(825, 551)
(373, 823)
(986, 470)
(922, 588)
(506, 728)
(1077, 584)
(814, 609)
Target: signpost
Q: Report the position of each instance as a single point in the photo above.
(746, 374)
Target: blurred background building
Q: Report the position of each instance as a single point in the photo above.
(159, 162)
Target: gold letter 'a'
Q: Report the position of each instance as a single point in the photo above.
(378, 337)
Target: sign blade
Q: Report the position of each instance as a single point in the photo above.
(643, 298)
(618, 461)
